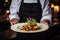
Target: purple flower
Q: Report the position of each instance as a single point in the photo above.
(29, 18)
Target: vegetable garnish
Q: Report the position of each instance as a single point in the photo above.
(30, 26)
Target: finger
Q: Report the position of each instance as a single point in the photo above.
(45, 23)
(15, 22)
(11, 23)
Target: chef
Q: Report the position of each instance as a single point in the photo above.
(20, 10)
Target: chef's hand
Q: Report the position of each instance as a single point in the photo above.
(14, 21)
(46, 22)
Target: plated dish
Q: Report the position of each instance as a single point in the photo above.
(31, 26)
(16, 28)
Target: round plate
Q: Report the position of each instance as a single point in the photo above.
(42, 26)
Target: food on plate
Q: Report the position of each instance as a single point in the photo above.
(30, 26)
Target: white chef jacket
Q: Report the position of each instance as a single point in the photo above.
(15, 6)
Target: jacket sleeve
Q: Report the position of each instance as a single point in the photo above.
(14, 8)
(46, 11)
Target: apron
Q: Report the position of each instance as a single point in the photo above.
(32, 10)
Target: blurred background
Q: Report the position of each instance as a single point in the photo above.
(5, 4)
(5, 31)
